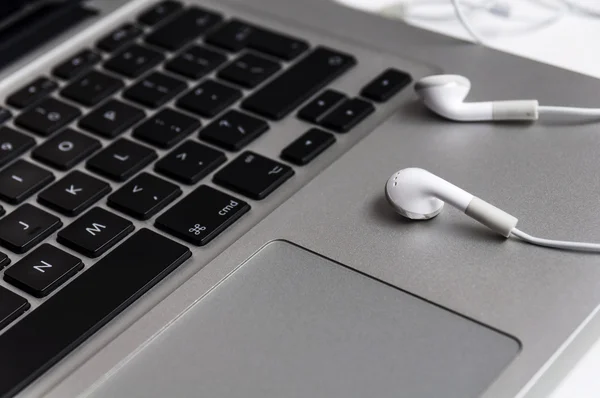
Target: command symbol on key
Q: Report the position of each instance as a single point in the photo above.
(197, 229)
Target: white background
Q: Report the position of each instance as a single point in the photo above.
(573, 42)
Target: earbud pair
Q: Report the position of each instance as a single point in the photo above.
(445, 95)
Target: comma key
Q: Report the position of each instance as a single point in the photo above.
(202, 215)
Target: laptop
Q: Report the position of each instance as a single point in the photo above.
(192, 206)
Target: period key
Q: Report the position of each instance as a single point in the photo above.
(202, 215)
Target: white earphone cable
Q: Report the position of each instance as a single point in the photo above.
(558, 244)
(566, 111)
(465, 23)
(586, 10)
(405, 9)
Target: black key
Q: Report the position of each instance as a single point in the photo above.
(4, 261)
(144, 196)
(83, 306)
(195, 62)
(43, 270)
(233, 130)
(121, 160)
(66, 149)
(283, 94)
(236, 35)
(95, 232)
(92, 88)
(22, 179)
(160, 12)
(249, 70)
(5, 115)
(386, 85)
(202, 215)
(308, 146)
(323, 103)
(119, 38)
(25, 227)
(190, 162)
(74, 193)
(112, 118)
(343, 118)
(253, 175)
(183, 28)
(166, 128)
(134, 61)
(32, 93)
(13, 144)
(155, 90)
(77, 64)
(209, 98)
(233, 35)
(277, 44)
(11, 306)
(48, 116)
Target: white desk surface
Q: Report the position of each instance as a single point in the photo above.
(572, 43)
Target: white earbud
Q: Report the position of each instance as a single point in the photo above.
(445, 95)
(419, 195)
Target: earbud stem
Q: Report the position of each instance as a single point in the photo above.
(492, 217)
(515, 110)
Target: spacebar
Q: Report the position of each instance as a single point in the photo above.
(66, 319)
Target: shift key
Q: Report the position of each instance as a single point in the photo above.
(202, 215)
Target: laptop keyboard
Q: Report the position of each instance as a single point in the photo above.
(161, 57)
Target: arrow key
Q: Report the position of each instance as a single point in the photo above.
(386, 85)
(74, 193)
(343, 118)
(308, 146)
(144, 196)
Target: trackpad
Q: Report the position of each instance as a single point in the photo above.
(290, 323)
